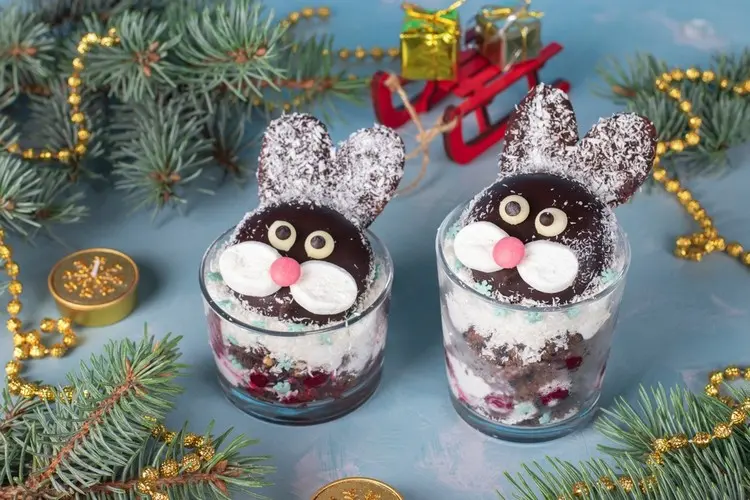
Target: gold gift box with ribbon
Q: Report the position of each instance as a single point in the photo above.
(506, 36)
(430, 43)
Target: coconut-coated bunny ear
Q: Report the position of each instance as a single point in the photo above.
(294, 159)
(616, 156)
(366, 172)
(541, 131)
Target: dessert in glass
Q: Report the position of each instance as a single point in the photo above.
(532, 271)
(297, 294)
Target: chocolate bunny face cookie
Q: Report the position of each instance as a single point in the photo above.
(544, 232)
(303, 256)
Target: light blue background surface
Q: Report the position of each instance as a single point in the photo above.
(678, 321)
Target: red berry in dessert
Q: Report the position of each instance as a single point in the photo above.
(552, 398)
(258, 380)
(499, 402)
(315, 379)
(573, 362)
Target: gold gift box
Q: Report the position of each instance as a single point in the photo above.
(506, 37)
(429, 43)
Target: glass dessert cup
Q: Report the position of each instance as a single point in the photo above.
(525, 373)
(289, 373)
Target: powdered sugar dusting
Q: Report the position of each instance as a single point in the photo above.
(612, 161)
(298, 163)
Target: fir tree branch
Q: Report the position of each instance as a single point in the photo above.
(26, 47)
(31, 198)
(209, 53)
(96, 445)
(725, 116)
(716, 472)
(228, 45)
(138, 67)
(226, 130)
(116, 391)
(159, 150)
(64, 13)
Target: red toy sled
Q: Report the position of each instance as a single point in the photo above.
(479, 82)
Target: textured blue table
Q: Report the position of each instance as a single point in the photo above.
(678, 321)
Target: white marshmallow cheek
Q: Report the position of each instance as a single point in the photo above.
(324, 288)
(474, 245)
(548, 266)
(246, 268)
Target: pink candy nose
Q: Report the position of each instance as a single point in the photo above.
(285, 271)
(508, 252)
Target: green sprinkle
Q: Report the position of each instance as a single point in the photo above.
(214, 276)
(285, 363)
(502, 312)
(534, 317)
(258, 323)
(608, 276)
(325, 339)
(545, 419)
(573, 312)
(376, 272)
(484, 288)
(282, 387)
(453, 230)
(224, 304)
(525, 408)
(232, 340)
(236, 364)
(296, 327)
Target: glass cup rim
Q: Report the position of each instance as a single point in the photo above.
(457, 281)
(348, 322)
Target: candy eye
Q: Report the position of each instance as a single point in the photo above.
(514, 209)
(319, 245)
(282, 235)
(551, 222)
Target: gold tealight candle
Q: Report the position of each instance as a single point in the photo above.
(357, 488)
(95, 287)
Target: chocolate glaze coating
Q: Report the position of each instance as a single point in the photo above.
(585, 233)
(351, 252)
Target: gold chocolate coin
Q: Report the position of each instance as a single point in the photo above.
(357, 488)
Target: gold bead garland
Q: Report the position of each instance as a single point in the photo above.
(170, 468)
(77, 117)
(358, 53)
(707, 240)
(28, 343)
(662, 446)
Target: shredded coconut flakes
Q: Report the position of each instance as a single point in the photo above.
(299, 163)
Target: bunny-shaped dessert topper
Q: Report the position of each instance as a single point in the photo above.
(545, 232)
(303, 256)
